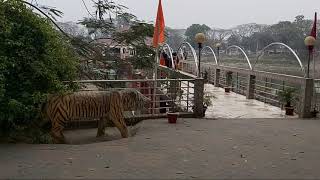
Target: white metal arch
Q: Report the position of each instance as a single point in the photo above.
(170, 52)
(288, 47)
(243, 52)
(214, 54)
(193, 53)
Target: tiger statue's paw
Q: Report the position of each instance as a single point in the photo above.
(125, 134)
(58, 139)
(100, 134)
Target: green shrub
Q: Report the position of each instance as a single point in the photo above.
(286, 96)
(35, 59)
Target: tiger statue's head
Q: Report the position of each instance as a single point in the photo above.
(132, 100)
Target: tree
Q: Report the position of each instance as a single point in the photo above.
(247, 30)
(111, 17)
(73, 29)
(256, 41)
(303, 25)
(254, 37)
(34, 61)
(193, 30)
(234, 40)
(215, 36)
(137, 36)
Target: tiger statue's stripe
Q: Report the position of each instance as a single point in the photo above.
(105, 105)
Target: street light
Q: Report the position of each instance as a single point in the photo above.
(200, 39)
(310, 41)
(218, 45)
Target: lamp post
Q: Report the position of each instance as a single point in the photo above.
(310, 41)
(218, 45)
(200, 39)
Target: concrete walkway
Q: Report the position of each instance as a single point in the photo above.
(191, 149)
(232, 105)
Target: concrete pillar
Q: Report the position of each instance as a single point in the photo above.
(217, 77)
(306, 98)
(198, 97)
(251, 86)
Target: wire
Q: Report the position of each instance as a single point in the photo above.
(87, 9)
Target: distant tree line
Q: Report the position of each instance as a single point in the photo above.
(252, 37)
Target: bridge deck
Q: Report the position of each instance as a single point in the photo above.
(233, 105)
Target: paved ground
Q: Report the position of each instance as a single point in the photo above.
(232, 105)
(246, 148)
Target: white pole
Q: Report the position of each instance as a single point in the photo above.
(156, 63)
(155, 77)
(155, 68)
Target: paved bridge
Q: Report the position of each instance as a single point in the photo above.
(247, 78)
(183, 89)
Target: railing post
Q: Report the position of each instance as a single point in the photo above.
(251, 86)
(229, 79)
(173, 89)
(207, 74)
(217, 77)
(198, 97)
(237, 83)
(306, 98)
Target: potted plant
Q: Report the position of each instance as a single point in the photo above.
(228, 87)
(314, 112)
(286, 96)
(207, 101)
(173, 115)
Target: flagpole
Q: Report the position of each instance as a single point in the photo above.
(314, 66)
(313, 51)
(155, 74)
(155, 70)
(156, 43)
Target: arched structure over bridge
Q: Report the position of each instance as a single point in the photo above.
(212, 51)
(165, 47)
(193, 51)
(243, 52)
(286, 46)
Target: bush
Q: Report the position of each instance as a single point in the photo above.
(34, 61)
(286, 96)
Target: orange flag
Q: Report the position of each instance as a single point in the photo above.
(158, 35)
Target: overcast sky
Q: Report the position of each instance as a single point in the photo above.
(214, 13)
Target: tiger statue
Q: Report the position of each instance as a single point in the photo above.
(105, 105)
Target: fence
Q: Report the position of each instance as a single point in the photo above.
(166, 95)
(316, 95)
(261, 85)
